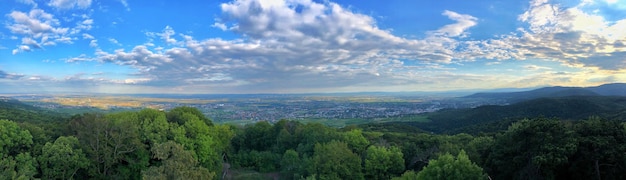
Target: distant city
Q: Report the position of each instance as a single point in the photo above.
(265, 107)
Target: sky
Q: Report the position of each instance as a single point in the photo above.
(307, 46)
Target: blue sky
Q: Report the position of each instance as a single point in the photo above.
(304, 46)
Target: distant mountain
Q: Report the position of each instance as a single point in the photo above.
(617, 89)
(490, 118)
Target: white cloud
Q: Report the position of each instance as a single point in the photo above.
(12, 76)
(87, 36)
(566, 34)
(38, 29)
(93, 43)
(30, 43)
(85, 24)
(114, 41)
(536, 68)
(307, 46)
(463, 22)
(80, 58)
(317, 46)
(125, 3)
(69, 4)
(29, 2)
(167, 34)
(221, 26)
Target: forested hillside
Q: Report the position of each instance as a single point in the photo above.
(496, 118)
(14, 109)
(183, 144)
(615, 89)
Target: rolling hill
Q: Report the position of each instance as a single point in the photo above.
(12, 109)
(492, 118)
(616, 89)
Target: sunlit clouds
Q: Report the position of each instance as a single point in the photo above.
(301, 46)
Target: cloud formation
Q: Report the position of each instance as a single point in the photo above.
(69, 4)
(568, 35)
(5, 75)
(38, 28)
(289, 44)
(312, 46)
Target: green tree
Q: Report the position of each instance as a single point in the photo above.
(154, 126)
(531, 149)
(334, 160)
(21, 166)
(40, 136)
(383, 163)
(478, 149)
(285, 135)
(14, 139)
(258, 136)
(62, 159)
(449, 167)
(313, 133)
(175, 163)
(207, 143)
(290, 163)
(601, 150)
(355, 140)
(177, 115)
(408, 175)
(112, 144)
(15, 160)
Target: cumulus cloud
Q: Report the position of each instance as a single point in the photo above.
(302, 44)
(69, 4)
(38, 28)
(287, 45)
(566, 34)
(5, 75)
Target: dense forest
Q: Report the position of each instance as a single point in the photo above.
(183, 144)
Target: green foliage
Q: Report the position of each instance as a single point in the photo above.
(312, 134)
(177, 115)
(176, 163)
(334, 160)
(182, 143)
(383, 163)
(259, 137)
(21, 166)
(496, 118)
(111, 142)
(13, 139)
(408, 175)
(291, 163)
(262, 161)
(449, 167)
(19, 112)
(601, 150)
(531, 149)
(478, 149)
(154, 126)
(206, 142)
(355, 140)
(62, 159)
(285, 135)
